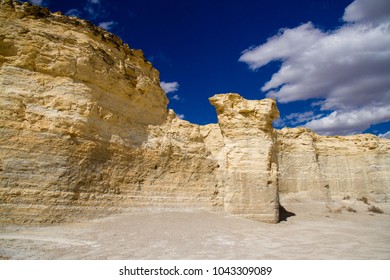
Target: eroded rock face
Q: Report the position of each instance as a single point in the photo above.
(75, 108)
(333, 166)
(248, 166)
(85, 132)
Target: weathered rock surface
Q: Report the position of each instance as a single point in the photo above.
(334, 166)
(85, 131)
(248, 165)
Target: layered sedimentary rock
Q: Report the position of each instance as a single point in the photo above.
(85, 131)
(334, 166)
(85, 128)
(248, 165)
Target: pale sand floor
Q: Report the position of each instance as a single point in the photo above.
(313, 233)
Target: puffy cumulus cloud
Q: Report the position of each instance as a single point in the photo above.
(343, 122)
(170, 87)
(352, 60)
(347, 69)
(181, 116)
(289, 42)
(367, 10)
(108, 25)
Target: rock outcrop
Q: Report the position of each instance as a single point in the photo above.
(334, 166)
(85, 129)
(85, 132)
(248, 163)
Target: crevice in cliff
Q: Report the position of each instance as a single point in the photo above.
(324, 185)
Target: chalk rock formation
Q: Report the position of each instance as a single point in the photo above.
(73, 98)
(85, 129)
(85, 132)
(333, 166)
(248, 165)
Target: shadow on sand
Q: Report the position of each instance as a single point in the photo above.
(284, 214)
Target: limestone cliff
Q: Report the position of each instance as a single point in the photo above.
(85, 132)
(334, 166)
(85, 128)
(356, 166)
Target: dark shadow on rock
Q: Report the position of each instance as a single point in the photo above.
(284, 214)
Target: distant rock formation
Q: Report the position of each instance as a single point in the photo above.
(85, 132)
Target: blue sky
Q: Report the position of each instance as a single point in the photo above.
(326, 62)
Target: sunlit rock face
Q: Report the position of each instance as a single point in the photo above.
(85, 132)
(248, 165)
(334, 166)
(85, 129)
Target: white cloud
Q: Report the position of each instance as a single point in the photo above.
(299, 118)
(37, 2)
(107, 25)
(367, 10)
(347, 69)
(279, 123)
(295, 119)
(170, 87)
(180, 116)
(73, 13)
(92, 10)
(343, 122)
(175, 97)
(288, 42)
(385, 135)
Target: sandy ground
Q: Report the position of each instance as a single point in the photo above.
(315, 232)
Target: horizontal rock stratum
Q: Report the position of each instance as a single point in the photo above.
(85, 132)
